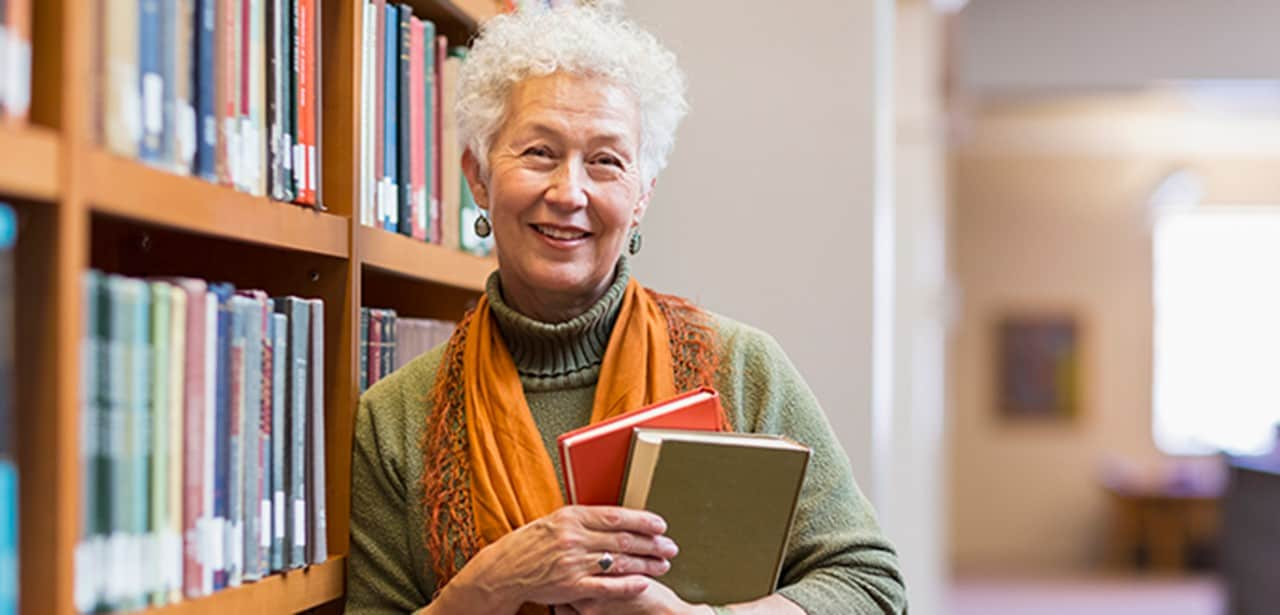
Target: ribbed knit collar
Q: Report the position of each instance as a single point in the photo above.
(551, 356)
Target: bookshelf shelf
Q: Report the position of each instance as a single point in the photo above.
(129, 189)
(290, 592)
(29, 163)
(402, 256)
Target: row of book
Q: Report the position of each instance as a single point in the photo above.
(388, 342)
(8, 422)
(203, 439)
(227, 90)
(15, 61)
(411, 177)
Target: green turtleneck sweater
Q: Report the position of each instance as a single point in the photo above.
(837, 559)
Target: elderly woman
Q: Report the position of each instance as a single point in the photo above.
(567, 116)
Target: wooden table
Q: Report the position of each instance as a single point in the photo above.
(1165, 524)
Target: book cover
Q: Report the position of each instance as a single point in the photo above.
(279, 384)
(729, 501)
(205, 69)
(592, 458)
(180, 109)
(317, 522)
(295, 429)
(155, 577)
(190, 426)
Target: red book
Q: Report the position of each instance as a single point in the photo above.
(418, 136)
(593, 458)
(306, 101)
(375, 345)
(228, 96)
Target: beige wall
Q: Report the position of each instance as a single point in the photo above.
(1050, 212)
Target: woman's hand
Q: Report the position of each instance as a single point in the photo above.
(656, 598)
(555, 560)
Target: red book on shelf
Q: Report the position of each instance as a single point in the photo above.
(306, 101)
(594, 457)
(418, 136)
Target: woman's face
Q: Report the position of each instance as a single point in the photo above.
(563, 191)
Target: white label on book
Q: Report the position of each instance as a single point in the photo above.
(277, 508)
(251, 158)
(210, 130)
(153, 103)
(286, 151)
(299, 523)
(235, 548)
(264, 524)
(124, 77)
(88, 573)
(186, 133)
(4, 63)
(423, 205)
(312, 171)
(215, 542)
(20, 95)
(299, 169)
(171, 547)
(231, 130)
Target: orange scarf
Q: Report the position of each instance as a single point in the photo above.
(487, 472)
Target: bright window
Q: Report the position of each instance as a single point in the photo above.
(1217, 330)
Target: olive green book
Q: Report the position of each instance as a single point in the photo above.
(728, 499)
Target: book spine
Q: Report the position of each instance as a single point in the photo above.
(317, 522)
(244, 60)
(279, 374)
(138, 453)
(443, 146)
(366, 133)
(112, 437)
(391, 132)
(122, 105)
(157, 85)
(158, 418)
(171, 531)
(8, 427)
(289, 79)
(217, 556)
(194, 393)
(87, 593)
(182, 135)
(430, 151)
(388, 343)
(255, 142)
(251, 436)
(264, 440)
(234, 544)
(152, 81)
(404, 115)
(364, 349)
(375, 346)
(302, 97)
(379, 78)
(296, 517)
(206, 90)
(275, 160)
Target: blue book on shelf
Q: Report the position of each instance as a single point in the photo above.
(152, 83)
(222, 437)
(205, 77)
(8, 454)
(391, 112)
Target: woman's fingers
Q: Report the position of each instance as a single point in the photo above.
(619, 519)
(626, 543)
(611, 587)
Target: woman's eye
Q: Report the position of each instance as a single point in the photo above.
(610, 161)
(538, 151)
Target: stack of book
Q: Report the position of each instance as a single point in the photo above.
(388, 342)
(227, 90)
(15, 63)
(202, 439)
(8, 424)
(411, 177)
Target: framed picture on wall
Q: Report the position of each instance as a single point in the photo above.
(1039, 367)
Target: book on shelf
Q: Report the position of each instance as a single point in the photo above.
(389, 341)
(184, 382)
(225, 90)
(728, 499)
(8, 422)
(15, 61)
(592, 458)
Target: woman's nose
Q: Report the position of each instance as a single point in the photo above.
(568, 185)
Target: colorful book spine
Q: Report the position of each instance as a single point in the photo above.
(157, 80)
(121, 119)
(364, 349)
(306, 163)
(269, 386)
(171, 530)
(295, 431)
(180, 103)
(15, 62)
(88, 590)
(317, 550)
(404, 115)
(391, 130)
(445, 145)
(375, 346)
(8, 425)
(430, 147)
(136, 477)
(241, 313)
(379, 115)
(255, 127)
(229, 34)
(275, 98)
(251, 433)
(206, 89)
(217, 556)
(155, 577)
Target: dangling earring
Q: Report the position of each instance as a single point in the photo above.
(633, 246)
(482, 226)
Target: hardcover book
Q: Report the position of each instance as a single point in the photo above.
(728, 500)
(593, 458)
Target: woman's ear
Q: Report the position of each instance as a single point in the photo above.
(642, 205)
(471, 169)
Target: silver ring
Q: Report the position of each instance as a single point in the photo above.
(605, 562)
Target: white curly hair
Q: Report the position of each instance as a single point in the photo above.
(592, 40)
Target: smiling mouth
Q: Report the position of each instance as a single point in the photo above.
(560, 234)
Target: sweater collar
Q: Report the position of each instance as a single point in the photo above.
(559, 355)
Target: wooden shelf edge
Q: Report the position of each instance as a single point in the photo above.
(288, 592)
(403, 256)
(29, 163)
(478, 11)
(130, 189)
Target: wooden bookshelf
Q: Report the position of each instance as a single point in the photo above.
(399, 255)
(85, 207)
(29, 163)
